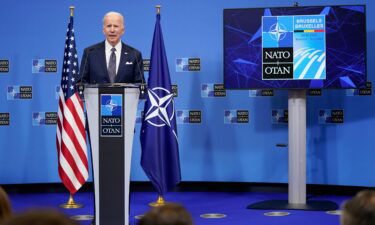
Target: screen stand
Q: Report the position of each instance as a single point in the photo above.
(297, 162)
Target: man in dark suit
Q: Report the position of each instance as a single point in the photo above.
(112, 61)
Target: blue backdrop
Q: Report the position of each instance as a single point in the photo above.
(218, 148)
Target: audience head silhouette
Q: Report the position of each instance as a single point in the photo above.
(42, 217)
(359, 210)
(169, 214)
(5, 208)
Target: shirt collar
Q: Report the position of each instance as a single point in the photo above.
(108, 46)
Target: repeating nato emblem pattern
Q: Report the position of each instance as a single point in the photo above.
(182, 64)
(279, 116)
(4, 66)
(182, 116)
(44, 118)
(236, 116)
(38, 118)
(44, 66)
(213, 90)
(19, 92)
(38, 66)
(188, 64)
(4, 119)
(189, 116)
(331, 116)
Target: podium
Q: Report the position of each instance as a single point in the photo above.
(111, 111)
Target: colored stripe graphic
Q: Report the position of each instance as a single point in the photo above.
(308, 31)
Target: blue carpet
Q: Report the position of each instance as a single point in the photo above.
(233, 204)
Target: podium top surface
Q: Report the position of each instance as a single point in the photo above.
(114, 85)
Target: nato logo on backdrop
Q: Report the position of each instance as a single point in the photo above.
(314, 92)
(188, 64)
(236, 116)
(19, 92)
(44, 118)
(213, 90)
(331, 116)
(111, 109)
(175, 90)
(367, 91)
(4, 66)
(146, 65)
(279, 116)
(44, 66)
(189, 116)
(261, 93)
(4, 119)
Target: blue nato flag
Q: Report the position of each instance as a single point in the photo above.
(160, 157)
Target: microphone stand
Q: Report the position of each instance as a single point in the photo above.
(80, 85)
(143, 86)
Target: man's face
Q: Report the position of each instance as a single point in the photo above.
(113, 28)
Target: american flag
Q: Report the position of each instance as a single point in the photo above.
(70, 135)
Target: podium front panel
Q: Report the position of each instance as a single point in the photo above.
(111, 116)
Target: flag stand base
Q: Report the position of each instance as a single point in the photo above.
(71, 204)
(159, 202)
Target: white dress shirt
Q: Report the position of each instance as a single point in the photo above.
(108, 52)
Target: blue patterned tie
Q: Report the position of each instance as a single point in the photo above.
(112, 66)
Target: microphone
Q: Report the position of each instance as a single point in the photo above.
(142, 87)
(81, 87)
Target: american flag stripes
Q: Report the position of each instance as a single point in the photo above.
(70, 135)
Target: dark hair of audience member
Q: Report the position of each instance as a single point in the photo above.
(40, 217)
(5, 208)
(359, 210)
(170, 214)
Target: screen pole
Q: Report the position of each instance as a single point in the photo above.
(297, 146)
(297, 162)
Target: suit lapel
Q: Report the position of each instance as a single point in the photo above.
(121, 68)
(102, 60)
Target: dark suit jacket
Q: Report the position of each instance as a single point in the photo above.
(94, 67)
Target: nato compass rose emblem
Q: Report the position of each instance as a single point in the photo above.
(111, 105)
(12, 92)
(277, 31)
(160, 113)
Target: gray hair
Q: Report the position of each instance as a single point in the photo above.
(113, 13)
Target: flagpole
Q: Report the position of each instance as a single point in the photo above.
(71, 10)
(71, 204)
(159, 78)
(158, 9)
(160, 201)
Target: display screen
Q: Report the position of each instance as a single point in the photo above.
(295, 47)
